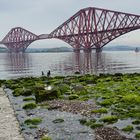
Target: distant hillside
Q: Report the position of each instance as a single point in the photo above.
(66, 49)
(120, 48)
(59, 49)
(2, 49)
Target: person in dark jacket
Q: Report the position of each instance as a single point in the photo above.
(48, 73)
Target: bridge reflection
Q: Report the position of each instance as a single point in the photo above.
(83, 62)
(89, 62)
(24, 64)
(18, 63)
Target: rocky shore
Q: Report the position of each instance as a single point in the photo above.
(107, 106)
(84, 108)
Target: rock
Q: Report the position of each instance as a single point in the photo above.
(43, 95)
(73, 106)
(59, 120)
(54, 107)
(77, 72)
(40, 133)
(106, 133)
(73, 96)
(26, 92)
(77, 87)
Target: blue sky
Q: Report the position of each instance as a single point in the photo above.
(43, 16)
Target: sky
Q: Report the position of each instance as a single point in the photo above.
(43, 16)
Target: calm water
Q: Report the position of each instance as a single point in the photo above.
(31, 64)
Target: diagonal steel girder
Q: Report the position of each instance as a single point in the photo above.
(18, 39)
(94, 27)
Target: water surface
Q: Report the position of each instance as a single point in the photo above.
(32, 64)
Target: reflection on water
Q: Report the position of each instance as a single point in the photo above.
(88, 62)
(18, 63)
(94, 63)
(31, 64)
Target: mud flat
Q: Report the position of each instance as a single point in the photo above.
(9, 126)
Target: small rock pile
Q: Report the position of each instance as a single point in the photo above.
(76, 107)
(106, 133)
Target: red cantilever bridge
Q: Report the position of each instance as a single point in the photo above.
(89, 28)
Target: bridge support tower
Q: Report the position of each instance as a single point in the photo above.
(98, 50)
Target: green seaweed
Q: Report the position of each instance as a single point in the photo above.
(29, 99)
(137, 135)
(118, 94)
(136, 122)
(29, 105)
(83, 121)
(46, 138)
(100, 110)
(95, 125)
(128, 128)
(33, 121)
(59, 120)
(109, 119)
(73, 96)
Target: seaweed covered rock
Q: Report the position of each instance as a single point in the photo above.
(63, 88)
(22, 91)
(33, 121)
(59, 120)
(31, 105)
(77, 87)
(73, 96)
(43, 95)
(17, 91)
(109, 119)
(128, 128)
(26, 92)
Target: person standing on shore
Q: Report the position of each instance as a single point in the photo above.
(48, 73)
(42, 73)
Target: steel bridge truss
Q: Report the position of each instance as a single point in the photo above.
(89, 28)
(18, 39)
(93, 28)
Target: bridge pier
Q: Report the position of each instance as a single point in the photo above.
(76, 50)
(87, 50)
(98, 50)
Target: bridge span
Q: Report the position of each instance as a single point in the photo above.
(90, 28)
